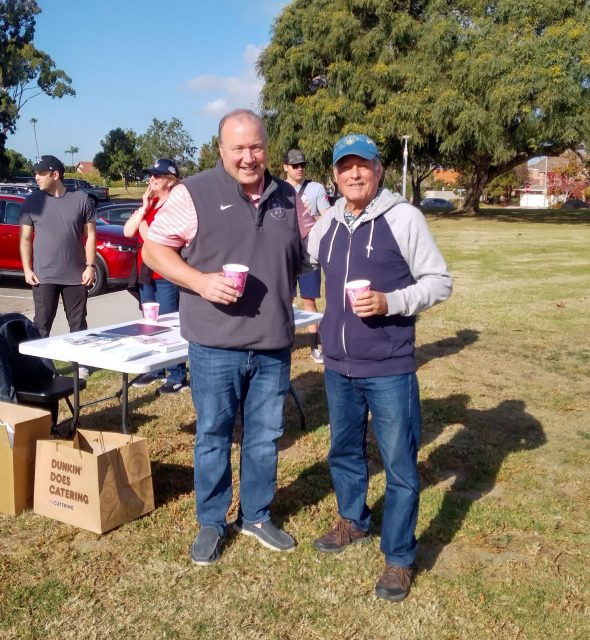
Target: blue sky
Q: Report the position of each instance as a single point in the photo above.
(133, 61)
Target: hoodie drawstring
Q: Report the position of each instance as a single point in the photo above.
(369, 247)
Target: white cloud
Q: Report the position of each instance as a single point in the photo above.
(216, 107)
(223, 93)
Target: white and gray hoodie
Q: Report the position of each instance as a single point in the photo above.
(393, 248)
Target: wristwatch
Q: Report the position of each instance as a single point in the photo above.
(91, 265)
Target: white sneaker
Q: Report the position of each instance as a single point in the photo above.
(83, 373)
(317, 356)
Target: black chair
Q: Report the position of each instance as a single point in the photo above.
(47, 395)
(33, 380)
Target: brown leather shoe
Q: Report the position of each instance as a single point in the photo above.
(340, 536)
(395, 582)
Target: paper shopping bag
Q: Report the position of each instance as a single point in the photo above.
(98, 481)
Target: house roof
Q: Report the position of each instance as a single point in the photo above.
(448, 176)
(85, 167)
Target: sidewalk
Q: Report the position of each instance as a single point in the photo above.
(109, 308)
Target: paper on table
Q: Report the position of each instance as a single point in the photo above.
(162, 344)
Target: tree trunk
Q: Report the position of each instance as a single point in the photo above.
(477, 182)
(3, 158)
(125, 181)
(416, 187)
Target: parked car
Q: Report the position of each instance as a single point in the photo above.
(19, 189)
(98, 194)
(575, 203)
(436, 204)
(117, 212)
(115, 254)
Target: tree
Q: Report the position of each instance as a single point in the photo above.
(208, 154)
(72, 150)
(17, 164)
(500, 189)
(167, 140)
(25, 72)
(119, 159)
(570, 181)
(478, 86)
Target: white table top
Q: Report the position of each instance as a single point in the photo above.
(55, 348)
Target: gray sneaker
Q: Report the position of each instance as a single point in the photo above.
(206, 548)
(267, 534)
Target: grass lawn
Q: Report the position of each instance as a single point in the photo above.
(504, 521)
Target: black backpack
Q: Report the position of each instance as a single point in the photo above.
(16, 369)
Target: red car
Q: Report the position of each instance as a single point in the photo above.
(115, 254)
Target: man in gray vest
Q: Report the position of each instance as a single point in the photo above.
(239, 351)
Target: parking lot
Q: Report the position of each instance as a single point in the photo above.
(115, 306)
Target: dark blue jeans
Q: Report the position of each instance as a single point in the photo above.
(222, 380)
(394, 403)
(165, 293)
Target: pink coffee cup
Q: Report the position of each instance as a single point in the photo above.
(238, 274)
(150, 311)
(354, 287)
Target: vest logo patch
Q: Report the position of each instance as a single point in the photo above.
(276, 209)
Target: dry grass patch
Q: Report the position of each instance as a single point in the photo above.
(504, 521)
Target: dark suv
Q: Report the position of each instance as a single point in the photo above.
(115, 254)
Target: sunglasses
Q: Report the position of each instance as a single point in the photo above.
(299, 165)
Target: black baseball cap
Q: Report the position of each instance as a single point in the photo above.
(163, 167)
(49, 163)
(294, 156)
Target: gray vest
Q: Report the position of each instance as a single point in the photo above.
(266, 239)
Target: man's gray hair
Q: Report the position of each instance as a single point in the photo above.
(241, 115)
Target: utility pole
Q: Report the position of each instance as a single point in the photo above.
(405, 165)
(546, 203)
(33, 121)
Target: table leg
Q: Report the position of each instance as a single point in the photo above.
(76, 408)
(125, 403)
(299, 405)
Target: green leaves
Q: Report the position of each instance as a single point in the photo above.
(480, 86)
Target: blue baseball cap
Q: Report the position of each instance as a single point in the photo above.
(355, 144)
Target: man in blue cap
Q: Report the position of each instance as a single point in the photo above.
(374, 235)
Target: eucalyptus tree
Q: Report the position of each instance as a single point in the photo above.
(479, 86)
(25, 71)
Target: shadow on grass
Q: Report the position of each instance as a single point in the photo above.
(552, 216)
(466, 466)
(171, 481)
(109, 416)
(446, 346)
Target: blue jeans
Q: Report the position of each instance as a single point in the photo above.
(222, 380)
(165, 293)
(394, 403)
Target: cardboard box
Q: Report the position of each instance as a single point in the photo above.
(17, 462)
(97, 482)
